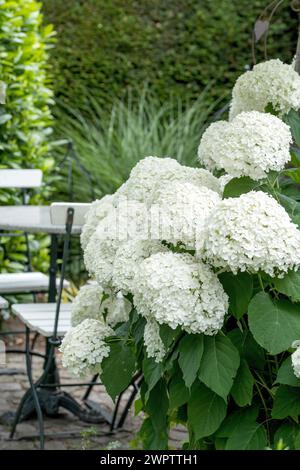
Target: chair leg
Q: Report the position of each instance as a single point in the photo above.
(136, 381)
(136, 387)
(33, 391)
(36, 336)
(114, 419)
(90, 387)
(19, 413)
(127, 407)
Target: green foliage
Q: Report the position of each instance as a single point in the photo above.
(110, 47)
(242, 389)
(190, 355)
(289, 285)
(288, 434)
(235, 390)
(25, 118)
(206, 411)
(110, 144)
(275, 324)
(247, 436)
(247, 347)
(178, 392)
(158, 415)
(241, 431)
(152, 372)
(286, 374)
(286, 403)
(239, 289)
(121, 361)
(291, 206)
(219, 364)
(238, 186)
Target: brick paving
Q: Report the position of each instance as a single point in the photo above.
(64, 432)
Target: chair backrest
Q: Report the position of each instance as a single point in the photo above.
(58, 212)
(22, 179)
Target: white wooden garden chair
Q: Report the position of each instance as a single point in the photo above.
(53, 321)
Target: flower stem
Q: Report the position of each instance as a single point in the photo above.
(261, 282)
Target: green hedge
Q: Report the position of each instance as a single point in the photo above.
(25, 118)
(107, 47)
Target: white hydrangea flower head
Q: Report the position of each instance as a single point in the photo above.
(92, 301)
(87, 304)
(129, 220)
(145, 175)
(83, 348)
(199, 177)
(152, 173)
(99, 257)
(116, 309)
(183, 209)
(98, 210)
(271, 82)
(177, 290)
(154, 345)
(128, 259)
(252, 144)
(251, 233)
(296, 359)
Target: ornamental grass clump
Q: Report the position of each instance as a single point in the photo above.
(201, 272)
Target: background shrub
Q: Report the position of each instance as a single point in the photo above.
(25, 118)
(107, 47)
(110, 144)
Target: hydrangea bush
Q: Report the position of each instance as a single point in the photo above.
(195, 280)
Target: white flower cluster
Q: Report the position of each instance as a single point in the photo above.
(87, 304)
(251, 145)
(175, 289)
(296, 359)
(98, 210)
(159, 239)
(128, 259)
(183, 210)
(116, 309)
(269, 83)
(153, 342)
(129, 219)
(251, 232)
(84, 347)
(152, 173)
(95, 303)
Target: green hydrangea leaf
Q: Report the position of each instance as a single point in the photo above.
(275, 324)
(219, 364)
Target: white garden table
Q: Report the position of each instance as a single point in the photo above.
(31, 219)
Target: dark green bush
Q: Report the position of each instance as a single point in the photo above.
(25, 118)
(108, 47)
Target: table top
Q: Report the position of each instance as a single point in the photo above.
(31, 219)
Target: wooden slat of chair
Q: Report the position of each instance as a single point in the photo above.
(25, 282)
(40, 317)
